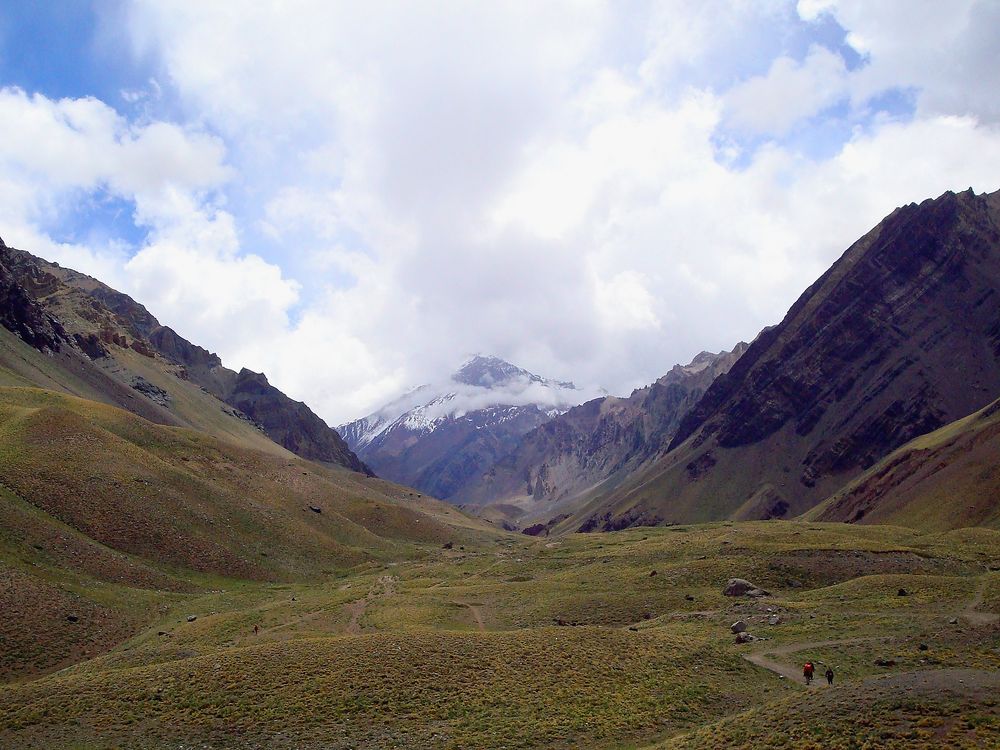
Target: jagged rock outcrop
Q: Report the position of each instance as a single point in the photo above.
(290, 423)
(177, 348)
(899, 337)
(22, 315)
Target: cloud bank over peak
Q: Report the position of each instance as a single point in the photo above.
(348, 198)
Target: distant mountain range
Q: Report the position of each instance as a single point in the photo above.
(438, 436)
(598, 444)
(870, 401)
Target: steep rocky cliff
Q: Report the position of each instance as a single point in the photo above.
(289, 423)
(899, 337)
(21, 314)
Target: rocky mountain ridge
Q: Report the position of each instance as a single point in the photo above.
(93, 327)
(899, 337)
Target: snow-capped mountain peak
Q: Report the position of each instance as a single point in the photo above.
(485, 392)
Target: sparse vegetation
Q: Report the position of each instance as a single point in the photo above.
(521, 643)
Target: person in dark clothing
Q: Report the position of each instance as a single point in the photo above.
(829, 675)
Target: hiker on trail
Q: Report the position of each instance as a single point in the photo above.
(255, 630)
(829, 675)
(807, 672)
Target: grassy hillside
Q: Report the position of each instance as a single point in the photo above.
(181, 498)
(65, 331)
(68, 371)
(104, 516)
(555, 643)
(949, 478)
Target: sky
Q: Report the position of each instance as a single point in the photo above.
(355, 197)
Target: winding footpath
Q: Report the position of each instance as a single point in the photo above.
(770, 658)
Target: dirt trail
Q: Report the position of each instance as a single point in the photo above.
(766, 658)
(477, 614)
(356, 610)
(384, 587)
(971, 612)
(297, 622)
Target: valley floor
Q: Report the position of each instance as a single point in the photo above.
(587, 641)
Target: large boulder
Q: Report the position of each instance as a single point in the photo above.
(742, 587)
(738, 627)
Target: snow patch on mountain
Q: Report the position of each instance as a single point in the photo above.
(481, 383)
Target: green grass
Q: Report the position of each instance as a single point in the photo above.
(947, 709)
(180, 498)
(391, 654)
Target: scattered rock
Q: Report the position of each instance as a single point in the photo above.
(653, 573)
(902, 592)
(739, 626)
(774, 620)
(192, 618)
(448, 545)
(152, 392)
(73, 618)
(633, 628)
(953, 621)
(923, 647)
(689, 598)
(315, 509)
(885, 662)
(744, 638)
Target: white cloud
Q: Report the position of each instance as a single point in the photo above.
(357, 195)
(791, 91)
(948, 51)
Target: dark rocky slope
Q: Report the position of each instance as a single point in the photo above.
(947, 479)
(899, 337)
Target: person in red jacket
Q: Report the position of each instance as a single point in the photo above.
(807, 672)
